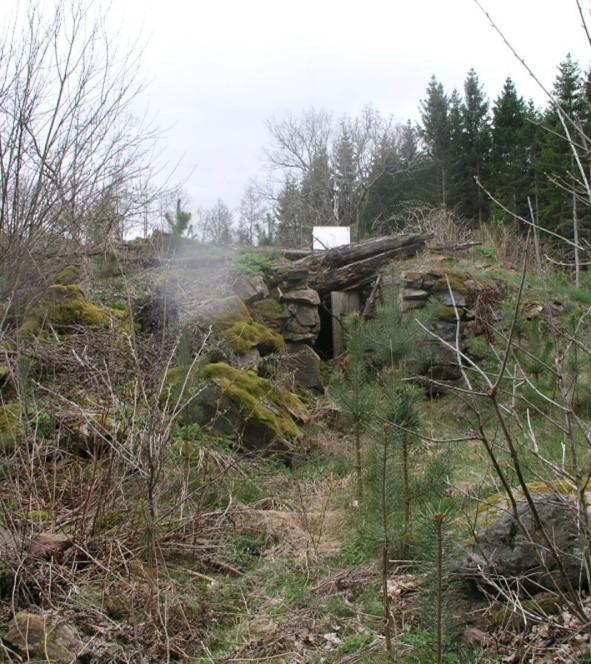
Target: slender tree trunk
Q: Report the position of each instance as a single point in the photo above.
(576, 240)
(439, 596)
(405, 498)
(386, 553)
(358, 465)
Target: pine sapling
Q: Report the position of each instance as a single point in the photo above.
(438, 518)
(354, 393)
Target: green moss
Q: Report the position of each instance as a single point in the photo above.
(110, 520)
(456, 283)
(448, 314)
(231, 320)
(244, 336)
(355, 642)
(11, 426)
(181, 388)
(68, 276)
(258, 398)
(62, 306)
(489, 509)
(223, 313)
(268, 309)
(40, 516)
(119, 305)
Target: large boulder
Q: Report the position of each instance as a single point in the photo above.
(508, 553)
(231, 321)
(254, 411)
(250, 288)
(304, 363)
(34, 635)
(155, 312)
(63, 306)
(299, 368)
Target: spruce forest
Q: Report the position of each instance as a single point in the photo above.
(227, 437)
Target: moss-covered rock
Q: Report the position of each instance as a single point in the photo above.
(223, 313)
(231, 321)
(269, 312)
(244, 336)
(494, 506)
(68, 276)
(446, 279)
(515, 550)
(62, 306)
(254, 410)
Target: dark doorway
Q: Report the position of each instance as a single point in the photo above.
(324, 344)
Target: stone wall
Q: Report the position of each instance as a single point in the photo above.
(452, 296)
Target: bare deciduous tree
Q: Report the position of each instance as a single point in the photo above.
(214, 224)
(68, 144)
(251, 221)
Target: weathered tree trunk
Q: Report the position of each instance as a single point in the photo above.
(351, 266)
(359, 251)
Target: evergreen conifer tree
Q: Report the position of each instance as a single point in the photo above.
(179, 225)
(345, 179)
(475, 143)
(511, 178)
(455, 170)
(557, 170)
(290, 216)
(436, 134)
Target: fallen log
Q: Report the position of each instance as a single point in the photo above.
(353, 253)
(358, 273)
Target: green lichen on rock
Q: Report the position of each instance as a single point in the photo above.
(62, 306)
(242, 337)
(223, 313)
(68, 276)
(491, 508)
(448, 314)
(447, 279)
(231, 320)
(258, 399)
(268, 311)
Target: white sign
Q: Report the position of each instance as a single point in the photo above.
(329, 237)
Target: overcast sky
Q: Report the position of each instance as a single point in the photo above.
(218, 69)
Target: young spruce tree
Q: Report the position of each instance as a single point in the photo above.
(354, 393)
